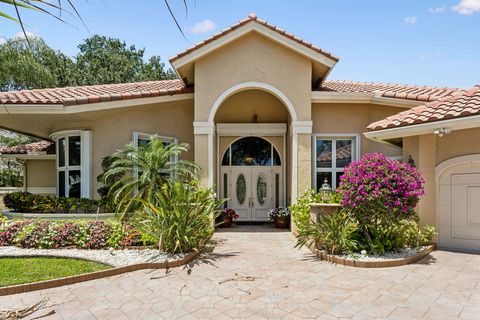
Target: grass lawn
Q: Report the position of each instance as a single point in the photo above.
(24, 270)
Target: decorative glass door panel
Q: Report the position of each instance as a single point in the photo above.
(240, 190)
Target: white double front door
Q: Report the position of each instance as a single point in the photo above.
(252, 190)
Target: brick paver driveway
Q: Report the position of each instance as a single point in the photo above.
(256, 273)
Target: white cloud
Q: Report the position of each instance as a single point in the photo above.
(21, 35)
(410, 20)
(437, 10)
(203, 27)
(2, 40)
(467, 7)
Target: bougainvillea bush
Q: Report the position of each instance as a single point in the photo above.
(376, 186)
(65, 234)
(382, 194)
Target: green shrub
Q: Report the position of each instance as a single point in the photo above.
(336, 233)
(35, 203)
(390, 235)
(180, 217)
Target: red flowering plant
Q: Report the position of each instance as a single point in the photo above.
(230, 213)
(382, 194)
(378, 186)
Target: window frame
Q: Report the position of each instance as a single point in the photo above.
(355, 137)
(136, 135)
(85, 161)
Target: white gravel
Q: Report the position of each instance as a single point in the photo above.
(391, 255)
(114, 258)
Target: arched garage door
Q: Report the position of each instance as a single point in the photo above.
(459, 203)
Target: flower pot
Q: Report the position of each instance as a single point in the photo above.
(226, 222)
(282, 222)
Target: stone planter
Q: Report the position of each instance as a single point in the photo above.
(282, 222)
(318, 209)
(59, 216)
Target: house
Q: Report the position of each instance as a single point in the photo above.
(264, 123)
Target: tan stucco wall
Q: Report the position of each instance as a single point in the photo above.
(252, 58)
(112, 130)
(458, 143)
(304, 170)
(428, 151)
(353, 118)
(422, 149)
(41, 173)
(246, 106)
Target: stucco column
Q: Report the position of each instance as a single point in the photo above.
(426, 164)
(204, 151)
(301, 157)
(423, 151)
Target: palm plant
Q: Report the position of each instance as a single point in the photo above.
(180, 217)
(145, 169)
(55, 8)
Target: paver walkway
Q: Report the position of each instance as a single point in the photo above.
(287, 284)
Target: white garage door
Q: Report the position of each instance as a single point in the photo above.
(459, 206)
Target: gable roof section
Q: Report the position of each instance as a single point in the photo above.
(252, 18)
(183, 62)
(93, 94)
(461, 104)
(40, 146)
(389, 90)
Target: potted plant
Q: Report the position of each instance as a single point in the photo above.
(281, 217)
(226, 218)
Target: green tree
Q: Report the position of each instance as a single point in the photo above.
(154, 69)
(144, 169)
(105, 60)
(34, 65)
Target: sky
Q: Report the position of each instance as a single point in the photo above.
(421, 42)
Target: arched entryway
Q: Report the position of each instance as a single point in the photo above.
(251, 177)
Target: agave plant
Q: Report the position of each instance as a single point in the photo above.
(180, 217)
(144, 170)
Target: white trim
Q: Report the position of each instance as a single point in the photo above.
(301, 127)
(203, 127)
(424, 128)
(86, 163)
(42, 190)
(29, 156)
(85, 166)
(251, 85)
(362, 97)
(210, 160)
(243, 30)
(61, 109)
(251, 129)
(447, 164)
(294, 191)
(333, 136)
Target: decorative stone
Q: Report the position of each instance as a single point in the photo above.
(317, 209)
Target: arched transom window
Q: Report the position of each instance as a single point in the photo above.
(251, 151)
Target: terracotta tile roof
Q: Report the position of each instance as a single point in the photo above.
(40, 146)
(388, 90)
(343, 153)
(93, 94)
(252, 17)
(460, 104)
